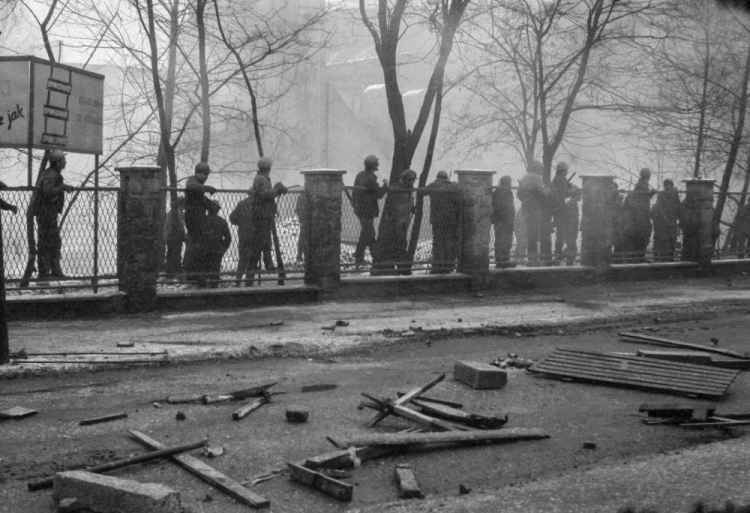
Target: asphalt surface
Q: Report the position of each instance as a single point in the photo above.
(668, 482)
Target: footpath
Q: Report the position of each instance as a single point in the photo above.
(670, 482)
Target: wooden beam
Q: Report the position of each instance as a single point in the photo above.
(426, 399)
(106, 418)
(250, 407)
(454, 415)
(678, 343)
(209, 475)
(406, 439)
(406, 398)
(235, 396)
(425, 420)
(408, 488)
(127, 462)
(328, 485)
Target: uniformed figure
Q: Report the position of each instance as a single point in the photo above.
(47, 204)
(196, 206)
(264, 211)
(560, 191)
(503, 220)
(637, 211)
(568, 231)
(394, 228)
(216, 241)
(175, 236)
(533, 195)
(242, 218)
(444, 217)
(365, 203)
(665, 214)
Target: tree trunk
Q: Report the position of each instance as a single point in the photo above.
(200, 7)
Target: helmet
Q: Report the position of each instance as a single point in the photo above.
(645, 173)
(214, 206)
(265, 163)
(562, 166)
(536, 167)
(442, 175)
(56, 156)
(202, 167)
(371, 160)
(506, 181)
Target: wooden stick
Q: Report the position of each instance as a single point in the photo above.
(397, 439)
(406, 398)
(106, 418)
(454, 415)
(424, 420)
(234, 396)
(677, 343)
(426, 399)
(209, 474)
(106, 467)
(248, 408)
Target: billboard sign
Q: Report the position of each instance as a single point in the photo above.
(48, 105)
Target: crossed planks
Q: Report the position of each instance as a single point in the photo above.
(636, 372)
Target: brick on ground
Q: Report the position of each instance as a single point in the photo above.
(480, 375)
(104, 494)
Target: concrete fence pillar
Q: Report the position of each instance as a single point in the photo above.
(598, 220)
(476, 212)
(697, 222)
(323, 192)
(140, 213)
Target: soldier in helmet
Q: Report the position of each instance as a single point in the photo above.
(533, 195)
(637, 212)
(264, 212)
(503, 219)
(365, 203)
(196, 207)
(47, 204)
(444, 217)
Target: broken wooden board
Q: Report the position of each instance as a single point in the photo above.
(406, 439)
(257, 391)
(454, 415)
(636, 372)
(679, 343)
(343, 458)
(406, 398)
(408, 488)
(209, 475)
(106, 418)
(680, 411)
(17, 412)
(250, 407)
(716, 422)
(698, 358)
(328, 485)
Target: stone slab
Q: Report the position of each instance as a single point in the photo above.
(105, 494)
(480, 375)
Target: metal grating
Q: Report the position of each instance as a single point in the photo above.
(636, 372)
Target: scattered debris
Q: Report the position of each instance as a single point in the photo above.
(342, 323)
(106, 418)
(328, 485)
(692, 416)
(332, 327)
(426, 399)
(207, 498)
(479, 375)
(125, 344)
(69, 505)
(408, 488)
(257, 391)
(677, 343)
(589, 445)
(181, 399)
(715, 341)
(317, 388)
(180, 415)
(297, 415)
(276, 323)
(251, 407)
(637, 372)
(345, 459)
(463, 490)
(17, 412)
(406, 398)
(262, 478)
(512, 360)
(469, 419)
(156, 404)
(94, 492)
(209, 474)
(213, 452)
(113, 465)
(409, 439)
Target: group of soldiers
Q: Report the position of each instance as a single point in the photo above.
(206, 235)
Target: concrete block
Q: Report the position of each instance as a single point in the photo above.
(105, 494)
(480, 375)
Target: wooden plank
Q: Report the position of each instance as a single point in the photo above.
(343, 458)
(114, 465)
(427, 399)
(454, 415)
(406, 398)
(250, 407)
(209, 475)
(677, 356)
(328, 485)
(687, 382)
(635, 375)
(422, 419)
(678, 343)
(256, 391)
(631, 372)
(17, 412)
(106, 418)
(435, 437)
(680, 411)
(722, 423)
(408, 488)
